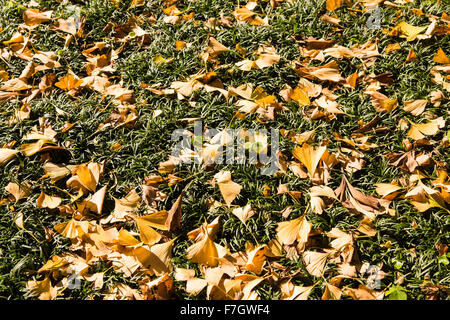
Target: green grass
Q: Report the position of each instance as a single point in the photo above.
(148, 143)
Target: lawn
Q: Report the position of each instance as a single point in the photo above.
(95, 204)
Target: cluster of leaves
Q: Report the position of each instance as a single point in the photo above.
(96, 205)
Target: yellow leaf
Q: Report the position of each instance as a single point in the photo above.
(315, 262)
(309, 156)
(244, 213)
(34, 16)
(42, 289)
(95, 202)
(18, 219)
(331, 292)
(333, 4)
(228, 188)
(6, 155)
(297, 229)
(204, 252)
(19, 191)
(46, 201)
(145, 224)
(410, 32)
(415, 107)
(87, 178)
(73, 228)
(69, 82)
(57, 172)
(300, 96)
(180, 45)
(256, 259)
(430, 128)
(127, 239)
(441, 57)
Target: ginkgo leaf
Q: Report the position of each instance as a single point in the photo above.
(409, 31)
(256, 259)
(309, 156)
(441, 57)
(333, 4)
(126, 205)
(415, 107)
(148, 222)
(297, 229)
(54, 264)
(317, 204)
(87, 177)
(19, 190)
(387, 190)
(229, 189)
(18, 219)
(291, 292)
(34, 16)
(127, 239)
(363, 293)
(300, 96)
(430, 128)
(244, 213)
(95, 201)
(43, 290)
(203, 252)
(315, 262)
(72, 228)
(157, 259)
(6, 155)
(57, 172)
(46, 201)
(331, 292)
(69, 82)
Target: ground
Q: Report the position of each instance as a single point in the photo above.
(409, 245)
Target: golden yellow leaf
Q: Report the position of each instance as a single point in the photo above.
(46, 201)
(54, 264)
(256, 259)
(244, 213)
(148, 222)
(6, 155)
(412, 56)
(228, 188)
(95, 202)
(392, 47)
(315, 262)
(34, 16)
(441, 57)
(309, 156)
(430, 128)
(297, 229)
(333, 4)
(409, 31)
(56, 171)
(387, 190)
(43, 290)
(331, 292)
(415, 107)
(127, 239)
(73, 228)
(69, 82)
(86, 177)
(291, 292)
(19, 190)
(300, 96)
(204, 252)
(180, 45)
